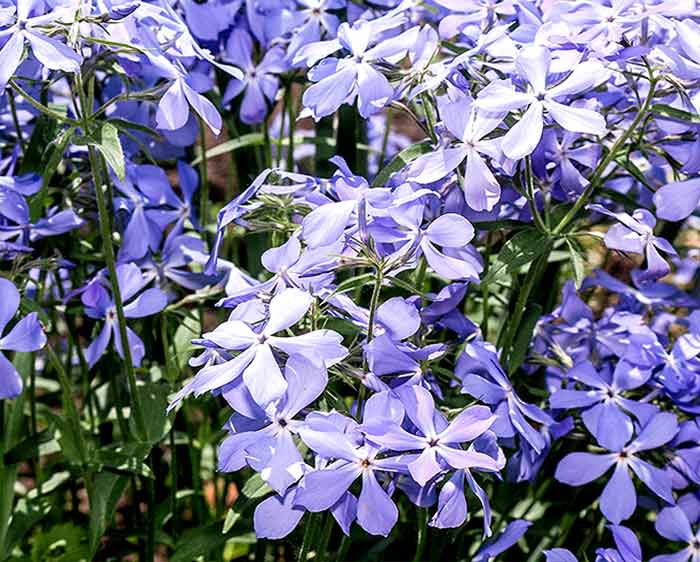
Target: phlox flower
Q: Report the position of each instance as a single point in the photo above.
(533, 66)
(138, 302)
(26, 335)
(256, 362)
(619, 499)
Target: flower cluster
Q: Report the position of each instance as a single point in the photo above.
(454, 254)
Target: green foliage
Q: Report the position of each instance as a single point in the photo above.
(523, 248)
(108, 143)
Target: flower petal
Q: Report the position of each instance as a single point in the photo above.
(376, 512)
(619, 499)
(525, 135)
(577, 469)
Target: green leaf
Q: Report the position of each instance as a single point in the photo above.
(350, 284)
(523, 337)
(499, 225)
(13, 417)
(401, 284)
(674, 113)
(110, 146)
(202, 540)
(26, 448)
(188, 329)
(56, 480)
(232, 518)
(68, 437)
(24, 517)
(29, 305)
(109, 487)
(251, 139)
(523, 248)
(124, 459)
(126, 125)
(62, 543)
(633, 170)
(154, 401)
(256, 487)
(401, 160)
(628, 202)
(57, 148)
(45, 132)
(578, 263)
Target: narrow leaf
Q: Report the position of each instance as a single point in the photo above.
(523, 248)
(400, 161)
(109, 488)
(111, 148)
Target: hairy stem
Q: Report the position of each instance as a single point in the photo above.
(609, 158)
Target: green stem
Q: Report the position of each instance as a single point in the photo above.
(45, 110)
(422, 539)
(373, 305)
(15, 121)
(151, 522)
(385, 137)
(530, 186)
(343, 549)
(322, 549)
(260, 550)
(510, 328)
(283, 118)
(73, 417)
(108, 249)
(485, 290)
(267, 150)
(175, 531)
(292, 118)
(309, 536)
(204, 177)
(609, 158)
(100, 176)
(32, 417)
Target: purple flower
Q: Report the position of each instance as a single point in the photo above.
(559, 555)
(604, 401)
(259, 83)
(266, 443)
(627, 547)
(674, 523)
(172, 262)
(533, 66)
(277, 516)
(354, 458)
(491, 385)
(450, 230)
(510, 535)
(635, 234)
(560, 160)
(174, 106)
(619, 498)
(439, 443)
(256, 361)
(18, 227)
(470, 126)
(678, 200)
(26, 335)
(467, 13)
(290, 266)
(341, 80)
(50, 52)
(138, 302)
(626, 543)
